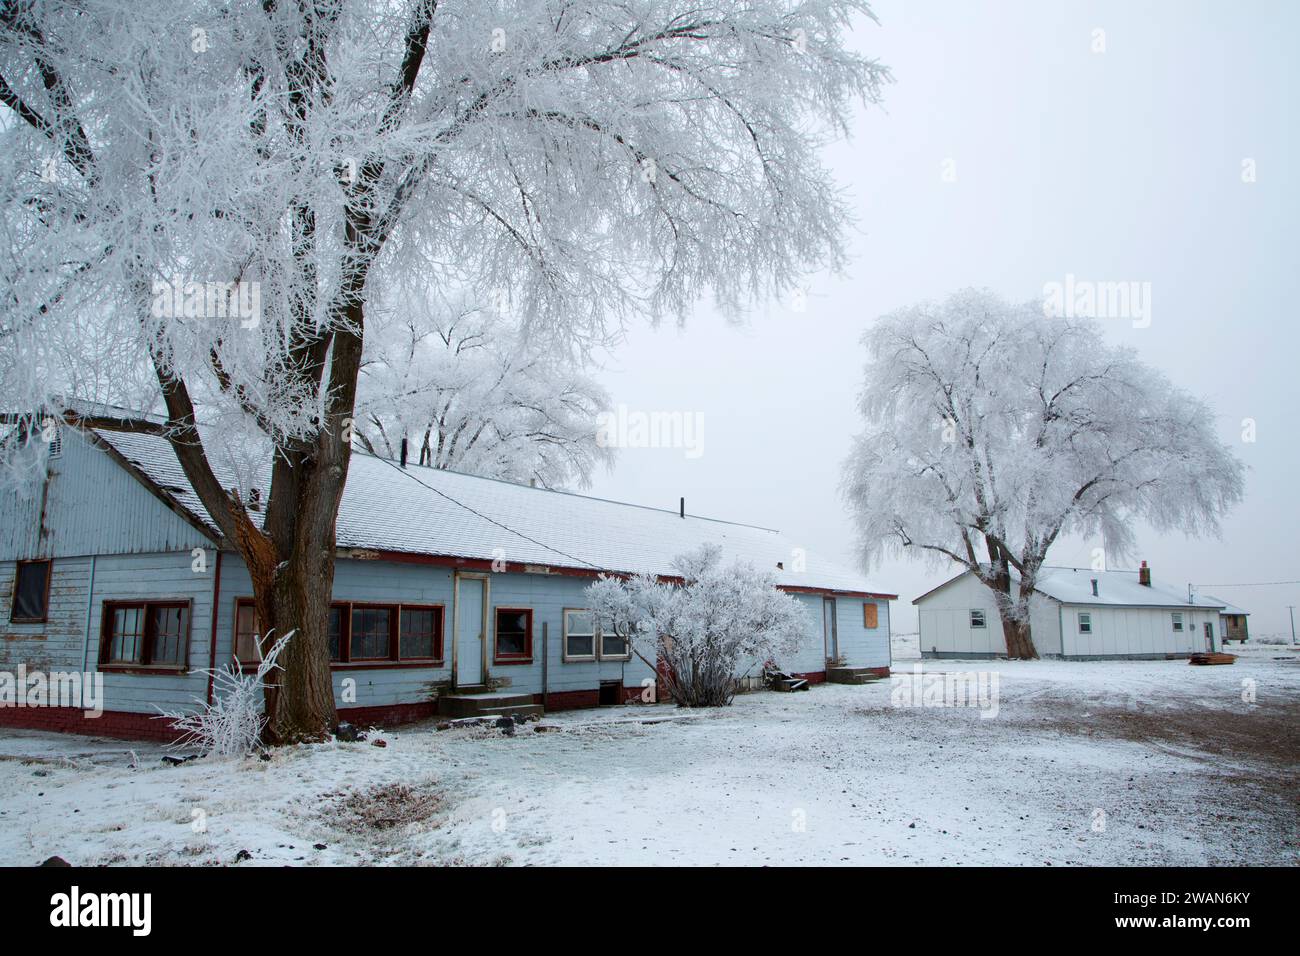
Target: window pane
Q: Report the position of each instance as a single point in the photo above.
(336, 632)
(581, 645)
(417, 640)
(127, 639)
(247, 646)
(371, 633)
(512, 634)
(611, 645)
(168, 625)
(579, 622)
(30, 592)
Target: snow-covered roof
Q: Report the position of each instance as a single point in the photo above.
(1114, 589)
(1227, 608)
(426, 511)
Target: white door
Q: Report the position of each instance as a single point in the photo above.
(471, 594)
(828, 629)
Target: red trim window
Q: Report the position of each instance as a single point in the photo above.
(145, 634)
(31, 601)
(370, 634)
(514, 635)
(247, 645)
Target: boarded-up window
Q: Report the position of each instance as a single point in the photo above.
(869, 615)
(31, 592)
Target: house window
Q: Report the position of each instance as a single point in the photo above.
(247, 645)
(614, 648)
(579, 635)
(870, 618)
(421, 634)
(514, 635)
(1085, 622)
(1178, 620)
(374, 633)
(31, 593)
(977, 617)
(145, 634)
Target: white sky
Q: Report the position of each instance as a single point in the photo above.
(1124, 165)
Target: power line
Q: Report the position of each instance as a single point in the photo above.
(480, 514)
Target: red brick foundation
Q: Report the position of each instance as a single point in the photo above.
(390, 715)
(812, 677)
(118, 724)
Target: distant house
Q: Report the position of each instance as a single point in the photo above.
(446, 585)
(1232, 622)
(1074, 614)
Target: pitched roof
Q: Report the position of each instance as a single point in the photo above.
(426, 511)
(1114, 589)
(1227, 608)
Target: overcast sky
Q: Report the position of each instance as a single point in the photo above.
(1121, 165)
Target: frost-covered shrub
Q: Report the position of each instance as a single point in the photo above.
(697, 633)
(231, 725)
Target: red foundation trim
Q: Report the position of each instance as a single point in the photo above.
(118, 724)
(390, 715)
(812, 677)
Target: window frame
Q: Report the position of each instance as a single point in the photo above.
(600, 648)
(146, 665)
(45, 603)
(508, 659)
(595, 637)
(1176, 618)
(242, 602)
(1082, 618)
(984, 619)
(394, 654)
(394, 658)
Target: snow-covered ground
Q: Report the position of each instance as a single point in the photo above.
(1085, 763)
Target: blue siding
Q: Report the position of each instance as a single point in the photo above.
(91, 506)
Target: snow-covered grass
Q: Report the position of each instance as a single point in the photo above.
(1086, 763)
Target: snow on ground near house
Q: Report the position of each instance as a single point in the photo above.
(1085, 763)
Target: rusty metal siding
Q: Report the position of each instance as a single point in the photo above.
(89, 504)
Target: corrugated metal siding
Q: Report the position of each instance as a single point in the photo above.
(92, 506)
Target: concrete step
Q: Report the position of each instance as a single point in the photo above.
(495, 703)
(851, 675)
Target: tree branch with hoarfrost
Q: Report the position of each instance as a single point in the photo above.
(223, 191)
(699, 632)
(992, 430)
(468, 391)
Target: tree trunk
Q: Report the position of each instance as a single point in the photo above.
(1020, 641)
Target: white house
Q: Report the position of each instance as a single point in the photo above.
(1074, 613)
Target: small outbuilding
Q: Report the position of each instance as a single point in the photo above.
(1232, 622)
(1075, 613)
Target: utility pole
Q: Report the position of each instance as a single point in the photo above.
(1291, 608)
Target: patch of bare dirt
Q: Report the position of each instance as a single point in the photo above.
(384, 808)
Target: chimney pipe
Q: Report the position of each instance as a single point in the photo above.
(683, 506)
(1144, 575)
(403, 452)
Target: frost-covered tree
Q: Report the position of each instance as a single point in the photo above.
(698, 631)
(991, 430)
(227, 188)
(468, 391)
